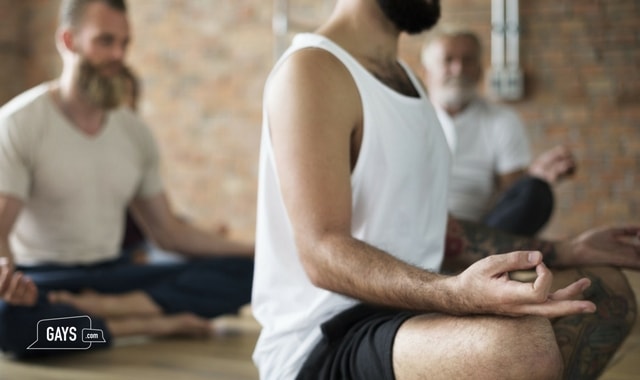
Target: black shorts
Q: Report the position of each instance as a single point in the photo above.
(357, 344)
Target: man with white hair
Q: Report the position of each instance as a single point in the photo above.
(493, 179)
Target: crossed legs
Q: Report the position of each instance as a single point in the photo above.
(438, 346)
(133, 313)
(128, 299)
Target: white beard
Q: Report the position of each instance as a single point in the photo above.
(454, 97)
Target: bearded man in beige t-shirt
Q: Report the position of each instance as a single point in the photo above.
(72, 160)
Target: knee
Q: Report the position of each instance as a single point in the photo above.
(535, 187)
(525, 348)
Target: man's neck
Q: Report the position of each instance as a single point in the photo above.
(363, 30)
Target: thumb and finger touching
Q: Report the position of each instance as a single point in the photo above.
(536, 298)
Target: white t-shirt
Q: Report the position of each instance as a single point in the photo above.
(75, 187)
(486, 140)
(399, 195)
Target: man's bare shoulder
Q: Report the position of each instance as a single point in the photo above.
(314, 82)
(315, 71)
(312, 64)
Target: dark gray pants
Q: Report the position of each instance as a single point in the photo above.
(524, 208)
(206, 287)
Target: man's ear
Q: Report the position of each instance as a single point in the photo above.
(67, 40)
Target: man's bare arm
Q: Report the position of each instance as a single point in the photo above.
(171, 233)
(505, 181)
(15, 287)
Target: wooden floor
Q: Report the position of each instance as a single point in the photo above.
(225, 357)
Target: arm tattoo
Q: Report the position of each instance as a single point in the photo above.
(467, 242)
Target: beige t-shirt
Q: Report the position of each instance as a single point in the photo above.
(75, 187)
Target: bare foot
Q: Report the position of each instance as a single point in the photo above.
(184, 324)
(233, 325)
(131, 304)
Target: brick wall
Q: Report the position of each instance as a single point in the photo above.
(581, 60)
(27, 51)
(12, 53)
(203, 64)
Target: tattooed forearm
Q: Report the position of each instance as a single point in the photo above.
(468, 242)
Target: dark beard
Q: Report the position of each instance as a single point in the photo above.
(102, 91)
(411, 16)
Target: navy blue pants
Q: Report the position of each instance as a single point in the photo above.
(524, 208)
(206, 287)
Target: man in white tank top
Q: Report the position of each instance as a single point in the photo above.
(351, 229)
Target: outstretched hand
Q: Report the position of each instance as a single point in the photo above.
(487, 288)
(16, 288)
(553, 165)
(618, 246)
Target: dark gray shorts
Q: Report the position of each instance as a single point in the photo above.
(357, 344)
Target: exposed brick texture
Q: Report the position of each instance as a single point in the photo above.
(581, 60)
(203, 64)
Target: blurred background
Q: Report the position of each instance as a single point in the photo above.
(203, 64)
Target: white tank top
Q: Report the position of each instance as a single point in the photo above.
(399, 200)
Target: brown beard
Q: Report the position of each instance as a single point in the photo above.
(106, 92)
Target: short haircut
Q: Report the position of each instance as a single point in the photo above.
(72, 11)
(447, 34)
